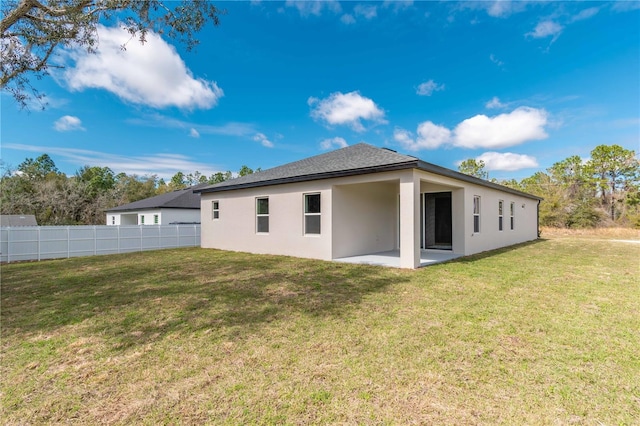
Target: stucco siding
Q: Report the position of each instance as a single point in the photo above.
(165, 217)
(490, 237)
(235, 229)
(365, 218)
(363, 214)
(169, 216)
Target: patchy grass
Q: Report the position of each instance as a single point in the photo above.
(542, 333)
(605, 233)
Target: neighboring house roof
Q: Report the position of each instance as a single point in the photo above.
(353, 160)
(179, 199)
(18, 220)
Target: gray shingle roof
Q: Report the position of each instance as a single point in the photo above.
(352, 160)
(180, 199)
(356, 159)
(18, 220)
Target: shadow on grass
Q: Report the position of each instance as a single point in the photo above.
(139, 298)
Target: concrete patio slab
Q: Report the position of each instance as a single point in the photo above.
(392, 258)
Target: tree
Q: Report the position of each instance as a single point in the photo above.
(39, 168)
(220, 177)
(473, 167)
(245, 170)
(574, 179)
(178, 181)
(32, 30)
(98, 179)
(615, 169)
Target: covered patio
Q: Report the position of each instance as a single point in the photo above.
(392, 258)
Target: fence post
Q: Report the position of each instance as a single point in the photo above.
(68, 243)
(9, 245)
(195, 236)
(39, 244)
(95, 241)
(119, 240)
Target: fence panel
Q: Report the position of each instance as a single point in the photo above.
(54, 242)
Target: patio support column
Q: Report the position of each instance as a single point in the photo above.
(409, 220)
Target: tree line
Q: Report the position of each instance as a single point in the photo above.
(37, 187)
(602, 191)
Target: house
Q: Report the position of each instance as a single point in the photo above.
(18, 220)
(362, 200)
(180, 206)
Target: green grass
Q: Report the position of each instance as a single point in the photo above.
(542, 333)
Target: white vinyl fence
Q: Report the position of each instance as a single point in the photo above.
(53, 242)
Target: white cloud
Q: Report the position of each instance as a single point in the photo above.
(428, 87)
(347, 19)
(507, 161)
(397, 4)
(503, 130)
(499, 9)
(163, 121)
(260, 137)
(346, 109)
(625, 6)
(494, 103)
(194, 133)
(495, 60)
(585, 14)
(430, 136)
(68, 123)
(546, 29)
(162, 165)
(366, 11)
(336, 142)
(520, 125)
(307, 8)
(153, 74)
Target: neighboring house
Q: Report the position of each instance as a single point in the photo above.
(181, 206)
(18, 220)
(362, 200)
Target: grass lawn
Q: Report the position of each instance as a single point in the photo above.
(542, 333)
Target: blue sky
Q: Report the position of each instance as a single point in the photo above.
(520, 85)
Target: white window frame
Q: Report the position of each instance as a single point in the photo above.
(476, 213)
(306, 214)
(113, 220)
(500, 215)
(215, 210)
(141, 219)
(156, 219)
(513, 215)
(259, 215)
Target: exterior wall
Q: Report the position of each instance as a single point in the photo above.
(365, 218)
(165, 217)
(235, 229)
(168, 216)
(362, 214)
(148, 217)
(489, 237)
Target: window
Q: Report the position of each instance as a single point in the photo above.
(262, 215)
(215, 210)
(312, 213)
(476, 213)
(141, 219)
(500, 214)
(155, 219)
(113, 220)
(513, 212)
